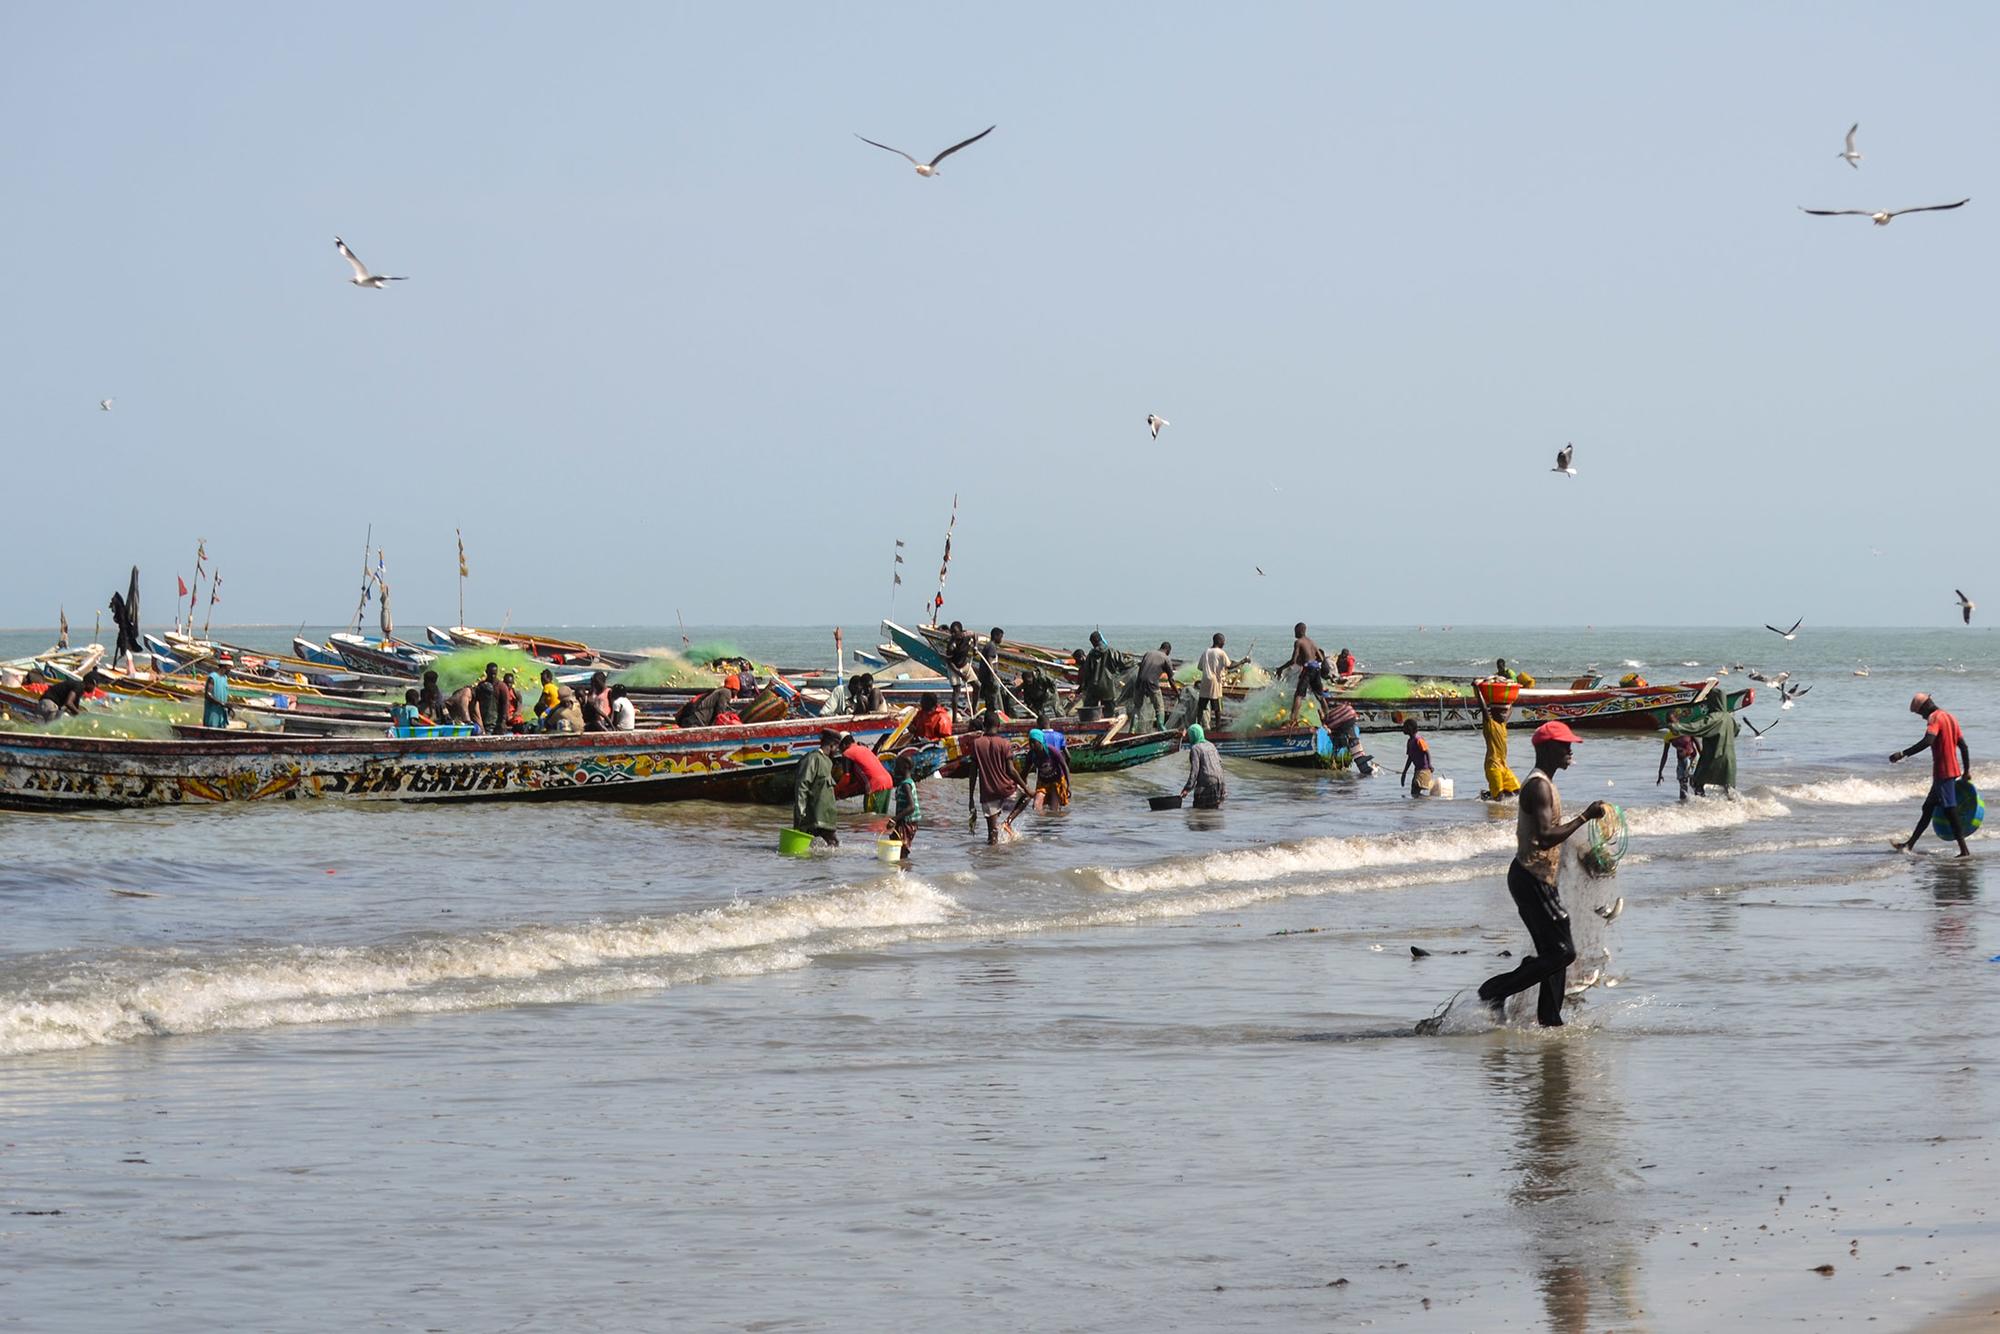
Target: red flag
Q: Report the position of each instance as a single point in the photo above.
(183, 583)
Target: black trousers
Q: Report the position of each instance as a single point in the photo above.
(1548, 926)
(1212, 709)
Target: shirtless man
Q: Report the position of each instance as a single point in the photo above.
(1539, 834)
(1309, 661)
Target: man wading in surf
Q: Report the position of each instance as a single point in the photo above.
(1539, 834)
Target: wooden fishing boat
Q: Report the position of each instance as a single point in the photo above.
(1646, 708)
(44, 771)
(304, 648)
(1301, 747)
(1093, 748)
(1125, 752)
(389, 657)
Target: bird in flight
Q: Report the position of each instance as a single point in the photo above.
(1882, 216)
(1786, 635)
(1852, 155)
(930, 168)
(1757, 731)
(1258, 568)
(1563, 457)
(1609, 911)
(104, 405)
(1966, 606)
(1154, 421)
(362, 277)
(1790, 695)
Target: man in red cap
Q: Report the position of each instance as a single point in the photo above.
(1539, 833)
(1951, 760)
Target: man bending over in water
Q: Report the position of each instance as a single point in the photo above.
(1539, 834)
(1951, 760)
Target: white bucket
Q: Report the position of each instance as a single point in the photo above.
(1442, 789)
(889, 849)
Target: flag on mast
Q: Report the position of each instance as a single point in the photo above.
(214, 596)
(944, 567)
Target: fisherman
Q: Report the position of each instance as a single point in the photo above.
(547, 699)
(701, 711)
(1214, 662)
(567, 715)
(1343, 727)
(1038, 692)
(868, 770)
(863, 695)
(405, 715)
(66, 696)
(1717, 733)
(1204, 778)
(1539, 833)
(1309, 661)
(1951, 760)
(905, 811)
(215, 699)
(1501, 670)
(510, 699)
(1145, 687)
(1417, 753)
(986, 671)
(957, 661)
(1047, 761)
(597, 703)
(491, 703)
(1098, 672)
(992, 783)
(430, 699)
(1343, 665)
(933, 720)
(624, 717)
(1500, 781)
(1684, 749)
(812, 798)
(461, 708)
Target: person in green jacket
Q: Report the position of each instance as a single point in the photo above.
(1717, 733)
(812, 799)
(1100, 673)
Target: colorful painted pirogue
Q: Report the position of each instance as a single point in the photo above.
(752, 761)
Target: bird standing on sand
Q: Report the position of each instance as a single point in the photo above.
(1787, 635)
(362, 277)
(1881, 216)
(1563, 457)
(930, 168)
(1852, 155)
(1965, 605)
(1154, 421)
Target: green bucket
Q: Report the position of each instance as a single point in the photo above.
(794, 844)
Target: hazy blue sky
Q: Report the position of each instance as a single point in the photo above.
(673, 338)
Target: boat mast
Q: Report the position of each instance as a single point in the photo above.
(944, 567)
(362, 605)
(463, 571)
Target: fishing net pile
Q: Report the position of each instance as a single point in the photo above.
(663, 667)
(125, 719)
(464, 666)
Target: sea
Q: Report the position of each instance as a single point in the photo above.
(599, 1067)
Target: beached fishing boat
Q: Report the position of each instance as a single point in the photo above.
(1646, 708)
(390, 657)
(51, 771)
(1302, 747)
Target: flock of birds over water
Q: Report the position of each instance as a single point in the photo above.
(1565, 457)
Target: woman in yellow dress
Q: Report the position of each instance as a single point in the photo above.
(1500, 780)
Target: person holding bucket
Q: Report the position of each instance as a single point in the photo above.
(812, 799)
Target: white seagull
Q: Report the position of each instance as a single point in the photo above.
(1154, 421)
(1563, 456)
(1610, 911)
(1881, 216)
(1790, 695)
(1966, 606)
(1853, 154)
(1786, 635)
(104, 405)
(930, 168)
(1758, 732)
(362, 277)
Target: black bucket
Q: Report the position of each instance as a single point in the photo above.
(1172, 803)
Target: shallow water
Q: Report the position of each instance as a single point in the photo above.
(598, 1067)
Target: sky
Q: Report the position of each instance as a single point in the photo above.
(674, 340)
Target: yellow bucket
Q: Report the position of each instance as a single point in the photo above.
(889, 849)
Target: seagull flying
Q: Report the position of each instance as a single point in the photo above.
(1882, 216)
(1786, 635)
(362, 277)
(1757, 731)
(104, 405)
(1563, 456)
(930, 168)
(1791, 695)
(1609, 911)
(1258, 568)
(1852, 155)
(1154, 421)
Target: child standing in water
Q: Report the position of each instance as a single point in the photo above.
(1683, 749)
(904, 809)
(1417, 755)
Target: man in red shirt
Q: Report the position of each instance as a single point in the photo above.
(1951, 760)
(993, 779)
(933, 721)
(873, 776)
